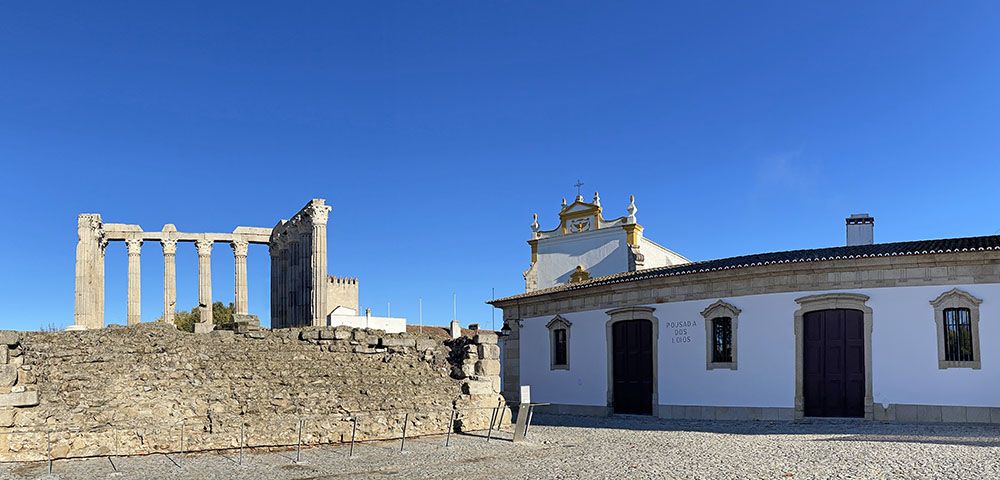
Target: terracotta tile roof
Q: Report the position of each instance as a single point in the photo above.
(918, 247)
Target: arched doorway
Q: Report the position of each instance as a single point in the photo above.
(632, 334)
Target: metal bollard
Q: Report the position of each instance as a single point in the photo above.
(354, 431)
(406, 420)
(451, 426)
(48, 441)
(500, 421)
(531, 411)
(242, 440)
(298, 446)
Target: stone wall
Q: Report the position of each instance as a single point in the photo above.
(150, 388)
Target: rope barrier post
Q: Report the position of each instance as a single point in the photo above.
(354, 431)
(242, 440)
(48, 441)
(531, 412)
(451, 426)
(500, 421)
(298, 446)
(402, 443)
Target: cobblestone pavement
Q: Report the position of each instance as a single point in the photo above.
(618, 447)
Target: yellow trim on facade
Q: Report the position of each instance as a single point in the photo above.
(633, 232)
(534, 250)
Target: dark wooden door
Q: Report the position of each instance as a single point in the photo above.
(833, 383)
(632, 369)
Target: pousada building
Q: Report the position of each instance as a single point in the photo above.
(612, 322)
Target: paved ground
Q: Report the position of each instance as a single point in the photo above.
(573, 447)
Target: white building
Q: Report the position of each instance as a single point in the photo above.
(906, 331)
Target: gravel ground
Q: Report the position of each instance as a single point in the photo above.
(618, 447)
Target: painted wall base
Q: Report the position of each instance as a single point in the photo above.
(902, 413)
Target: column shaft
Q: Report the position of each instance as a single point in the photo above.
(318, 269)
(275, 287)
(134, 280)
(169, 280)
(240, 256)
(205, 279)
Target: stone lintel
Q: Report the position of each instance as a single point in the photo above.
(19, 399)
(252, 235)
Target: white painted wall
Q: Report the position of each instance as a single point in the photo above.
(389, 324)
(904, 353)
(601, 252)
(655, 255)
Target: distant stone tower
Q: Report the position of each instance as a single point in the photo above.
(342, 295)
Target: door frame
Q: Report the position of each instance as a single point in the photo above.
(633, 313)
(832, 301)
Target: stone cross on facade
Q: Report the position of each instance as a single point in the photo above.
(298, 267)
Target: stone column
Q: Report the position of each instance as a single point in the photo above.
(204, 279)
(134, 278)
(319, 213)
(89, 236)
(169, 279)
(102, 248)
(273, 249)
(240, 255)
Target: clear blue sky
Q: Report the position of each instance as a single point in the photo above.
(435, 129)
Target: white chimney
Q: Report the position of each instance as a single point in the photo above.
(860, 229)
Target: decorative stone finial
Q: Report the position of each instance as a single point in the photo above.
(564, 202)
(631, 209)
(597, 199)
(579, 198)
(534, 223)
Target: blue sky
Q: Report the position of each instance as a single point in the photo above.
(435, 129)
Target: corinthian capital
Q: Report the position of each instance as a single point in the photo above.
(240, 247)
(319, 211)
(204, 247)
(134, 245)
(169, 246)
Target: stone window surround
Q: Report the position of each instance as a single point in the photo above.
(558, 322)
(956, 298)
(632, 313)
(720, 308)
(829, 301)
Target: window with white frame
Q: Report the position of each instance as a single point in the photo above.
(721, 321)
(956, 319)
(558, 343)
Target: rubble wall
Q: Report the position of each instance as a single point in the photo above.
(152, 389)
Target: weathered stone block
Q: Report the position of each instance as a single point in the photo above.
(8, 375)
(486, 338)
(4, 354)
(426, 345)
(489, 352)
(9, 337)
(341, 334)
(473, 387)
(21, 399)
(203, 327)
(7, 417)
(487, 367)
(25, 377)
(398, 342)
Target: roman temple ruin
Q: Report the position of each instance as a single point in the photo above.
(302, 292)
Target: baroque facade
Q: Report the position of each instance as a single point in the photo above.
(903, 331)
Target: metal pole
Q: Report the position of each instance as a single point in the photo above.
(354, 431)
(298, 446)
(48, 441)
(242, 440)
(531, 411)
(451, 426)
(406, 420)
(492, 420)
(500, 421)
